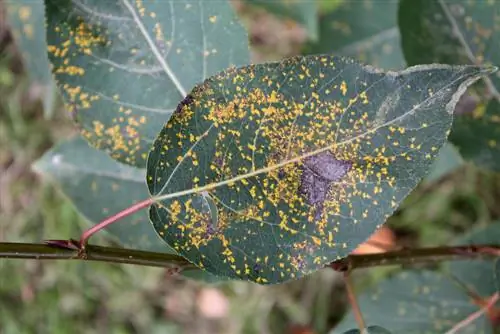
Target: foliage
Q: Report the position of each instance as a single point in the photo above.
(366, 30)
(269, 172)
(419, 301)
(26, 18)
(303, 12)
(99, 48)
(459, 32)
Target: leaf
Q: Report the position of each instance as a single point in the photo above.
(303, 12)
(419, 301)
(99, 186)
(366, 30)
(478, 136)
(123, 66)
(447, 161)
(454, 32)
(26, 19)
(457, 32)
(479, 275)
(268, 172)
(369, 330)
(427, 35)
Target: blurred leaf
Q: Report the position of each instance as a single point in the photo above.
(427, 35)
(478, 135)
(270, 171)
(447, 161)
(366, 30)
(124, 66)
(328, 6)
(99, 186)
(479, 275)
(304, 12)
(27, 22)
(458, 32)
(417, 301)
(425, 301)
(369, 330)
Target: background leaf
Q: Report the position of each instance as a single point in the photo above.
(478, 135)
(304, 12)
(99, 186)
(371, 136)
(366, 30)
(419, 301)
(447, 161)
(458, 32)
(124, 66)
(27, 22)
(370, 330)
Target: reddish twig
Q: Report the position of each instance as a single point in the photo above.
(354, 303)
(471, 318)
(105, 223)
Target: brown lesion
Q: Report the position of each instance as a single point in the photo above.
(318, 173)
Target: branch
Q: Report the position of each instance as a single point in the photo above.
(66, 250)
(414, 256)
(71, 250)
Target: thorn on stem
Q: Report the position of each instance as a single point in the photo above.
(64, 244)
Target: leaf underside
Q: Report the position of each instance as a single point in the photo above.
(123, 66)
(268, 172)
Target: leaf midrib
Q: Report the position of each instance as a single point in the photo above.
(166, 68)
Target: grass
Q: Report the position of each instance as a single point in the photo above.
(62, 297)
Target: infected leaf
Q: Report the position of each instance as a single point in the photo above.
(123, 66)
(247, 138)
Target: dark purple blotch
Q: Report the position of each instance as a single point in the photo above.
(185, 102)
(318, 173)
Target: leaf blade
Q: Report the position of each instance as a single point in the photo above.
(26, 19)
(123, 67)
(277, 220)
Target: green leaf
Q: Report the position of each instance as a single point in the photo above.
(426, 301)
(304, 12)
(452, 32)
(478, 275)
(458, 32)
(417, 301)
(366, 30)
(123, 66)
(369, 330)
(477, 135)
(427, 34)
(447, 161)
(26, 19)
(99, 186)
(303, 160)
